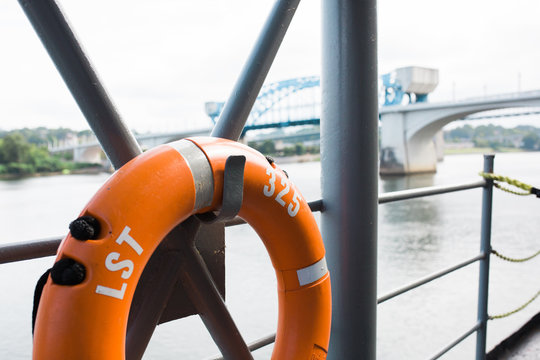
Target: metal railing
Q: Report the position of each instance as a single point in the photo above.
(47, 247)
(483, 258)
(34, 249)
(348, 118)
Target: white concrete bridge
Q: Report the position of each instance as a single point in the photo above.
(90, 151)
(407, 131)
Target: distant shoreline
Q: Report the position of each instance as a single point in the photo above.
(89, 170)
(297, 158)
(483, 150)
(278, 159)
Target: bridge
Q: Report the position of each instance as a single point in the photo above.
(88, 149)
(283, 104)
(407, 131)
(291, 102)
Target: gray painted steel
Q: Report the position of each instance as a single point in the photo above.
(257, 344)
(206, 298)
(26, 250)
(237, 108)
(455, 342)
(73, 65)
(428, 191)
(200, 168)
(33, 249)
(168, 299)
(118, 143)
(428, 278)
(349, 157)
(485, 248)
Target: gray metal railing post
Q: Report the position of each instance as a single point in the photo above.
(349, 162)
(485, 249)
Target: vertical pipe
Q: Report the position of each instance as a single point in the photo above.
(349, 159)
(237, 108)
(485, 249)
(52, 28)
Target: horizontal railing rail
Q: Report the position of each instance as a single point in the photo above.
(401, 196)
(456, 341)
(33, 249)
(252, 346)
(428, 191)
(28, 250)
(428, 278)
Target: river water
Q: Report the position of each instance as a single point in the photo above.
(416, 237)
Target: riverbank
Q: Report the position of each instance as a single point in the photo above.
(297, 158)
(480, 150)
(87, 170)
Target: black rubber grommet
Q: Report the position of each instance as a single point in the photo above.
(85, 228)
(269, 159)
(68, 272)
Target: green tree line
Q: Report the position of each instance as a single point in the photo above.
(24, 152)
(523, 136)
(268, 147)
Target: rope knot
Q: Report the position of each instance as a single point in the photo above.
(85, 228)
(68, 272)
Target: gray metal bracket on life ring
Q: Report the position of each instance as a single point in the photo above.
(233, 191)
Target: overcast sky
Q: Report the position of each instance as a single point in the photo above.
(161, 60)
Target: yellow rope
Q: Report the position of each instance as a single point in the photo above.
(506, 179)
(516, 310)
(494, 252)
(529, 190)
(499, 186)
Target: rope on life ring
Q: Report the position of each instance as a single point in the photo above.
(138, 206)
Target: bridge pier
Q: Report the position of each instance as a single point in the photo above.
(409, 140)
(90, 154)
(402, 155)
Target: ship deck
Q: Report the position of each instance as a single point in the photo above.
(524, 344)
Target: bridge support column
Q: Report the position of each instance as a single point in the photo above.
(401, 154)
(87, 155)
(439, 145)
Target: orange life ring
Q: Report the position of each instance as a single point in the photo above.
(139, 205)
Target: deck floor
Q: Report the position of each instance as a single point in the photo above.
(524, 344)
(528, 349)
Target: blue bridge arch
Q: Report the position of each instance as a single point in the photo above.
(290, 102)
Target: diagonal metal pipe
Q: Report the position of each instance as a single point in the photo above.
(118, 143)
(116, 140)
(249, 83)
(73, 65)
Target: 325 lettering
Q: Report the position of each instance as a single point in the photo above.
(268, 190)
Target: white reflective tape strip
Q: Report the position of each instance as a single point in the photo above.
(312, 273)
(201, 170)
